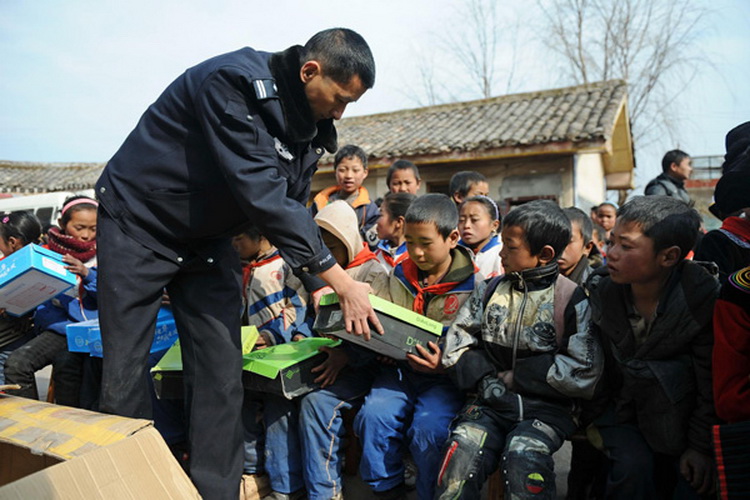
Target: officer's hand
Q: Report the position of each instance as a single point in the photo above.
(355, 304)
(697, 468)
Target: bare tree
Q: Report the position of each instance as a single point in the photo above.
(468, 44)
(648, 43)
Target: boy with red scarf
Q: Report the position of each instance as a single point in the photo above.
(75, 240)
(346, 376)
(412, 404)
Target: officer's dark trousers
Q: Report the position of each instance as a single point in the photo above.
(206, 304)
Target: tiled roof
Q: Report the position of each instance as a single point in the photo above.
(582, 113)
(29, 177)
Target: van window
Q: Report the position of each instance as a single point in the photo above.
(44, 215)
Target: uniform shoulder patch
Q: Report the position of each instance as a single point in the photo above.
(265, 89)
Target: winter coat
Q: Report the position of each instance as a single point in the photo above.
(664, 384)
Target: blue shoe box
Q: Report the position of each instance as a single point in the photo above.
(30, 277)
(86, 335)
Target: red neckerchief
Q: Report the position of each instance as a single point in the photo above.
(737, 226)
(363, 256)
(411, 273)
(388, 258)
(247, 270)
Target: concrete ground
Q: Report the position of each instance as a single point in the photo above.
(354, 487)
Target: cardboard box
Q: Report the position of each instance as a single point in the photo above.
(167, 374)
(50, 452)
(284, 369)
(86, 336)
(404, 329)
(30, 277)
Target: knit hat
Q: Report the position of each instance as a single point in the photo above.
(733, 191)
(738, 148)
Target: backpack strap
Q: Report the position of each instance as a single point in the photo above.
(564, 289)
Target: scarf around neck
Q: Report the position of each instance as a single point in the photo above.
(737, 226)
(411, 273)
(67, 245)
(363, 256)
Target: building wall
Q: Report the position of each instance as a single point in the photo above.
(589, 185)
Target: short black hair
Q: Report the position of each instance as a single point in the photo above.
(23, 225)
(401, 165)
(543, 223)
(68, 214)
(667, 221)
(343, 54)
(674, 156)
(461, 182)
(396, 204)
(350, 151)
(434, 208)
(575, 214)
(252, 231)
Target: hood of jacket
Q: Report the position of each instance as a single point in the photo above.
(339, 219)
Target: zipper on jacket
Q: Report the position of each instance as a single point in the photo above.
(517, 329)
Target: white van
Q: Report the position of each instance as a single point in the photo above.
(46, 207)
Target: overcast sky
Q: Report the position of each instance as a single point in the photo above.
(76, 75)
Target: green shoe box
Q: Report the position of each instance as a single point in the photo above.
(285, 369)
(404, 329)
(167, 374)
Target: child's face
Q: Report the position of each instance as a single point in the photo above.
(607, 216)
(427, 248)
(387, 227)
(9, 246)
(516, 254)
(403, 180)
(574, 252)
(350, 173)
(246, 247)
(475, 223)
(631, 257)
(336, 247)
(82, 225)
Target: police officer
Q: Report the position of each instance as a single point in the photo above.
(234, 139)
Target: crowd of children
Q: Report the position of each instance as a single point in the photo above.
(555, 323)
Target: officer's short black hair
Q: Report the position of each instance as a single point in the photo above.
(674, 156)
(401, 165)
(575, 214)
(350, 151)
(434, 208)
(461, 182)
(667, 221)
(343, 54)
(543, 223)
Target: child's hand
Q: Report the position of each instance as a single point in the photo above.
(75, 266)
(297, 337)
(697, 468)
(507, 378)
(317, 294)
(336, 361)
(262, 342)
(426, 362)
(165, 298)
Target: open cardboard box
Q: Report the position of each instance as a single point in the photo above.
(56, 452)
